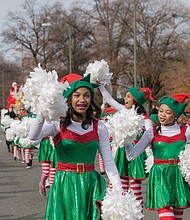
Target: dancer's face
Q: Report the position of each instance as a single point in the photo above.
(166, 116)
(128, 100)
(81, 99)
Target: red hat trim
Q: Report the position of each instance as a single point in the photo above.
(147, 94)
(70, 78)
(110, 110)
(181, 97)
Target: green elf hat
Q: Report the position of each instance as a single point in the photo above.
(83, 82)
(154, 117)
(176, 102)
(141, 94)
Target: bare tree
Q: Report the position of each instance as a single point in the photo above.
(9, 72)
(111, 36)
(68, 40)
(161, 26)
(74, 33)
(30, 30)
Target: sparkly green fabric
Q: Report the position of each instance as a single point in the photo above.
(121, 161)
(46, 151)
(73, 196)
(136, 168)
(166, 185)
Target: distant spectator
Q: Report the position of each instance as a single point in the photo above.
(11, 112)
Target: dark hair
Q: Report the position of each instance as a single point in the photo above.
(158, 128)
(93, 108)
(154, 111)
(140, 109)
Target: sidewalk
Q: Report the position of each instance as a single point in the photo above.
(19, 197)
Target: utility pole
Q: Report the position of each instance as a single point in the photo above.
(135, 41)
(3, 88)
(45, 27)
(70, 51)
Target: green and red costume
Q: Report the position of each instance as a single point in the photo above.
(80, 191)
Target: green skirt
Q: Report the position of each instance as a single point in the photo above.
(136, 168)
(46, 151)
(73, 196)
(121, 161)
(167, 187)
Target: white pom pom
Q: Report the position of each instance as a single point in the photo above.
(6, 121)
(121, 207)
(45, 94)
(99, 72)
(23, 127)
(26, 142)
(124, 126)
(185, 163)
(20, 128)
(150, 160)
(9, 134)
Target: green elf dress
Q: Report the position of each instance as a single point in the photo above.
(166, 185)
(80, 191)
(134, 169)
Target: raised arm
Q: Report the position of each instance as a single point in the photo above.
(109, 99)
(105, 151)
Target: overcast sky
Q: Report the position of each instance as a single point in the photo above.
(14, 5)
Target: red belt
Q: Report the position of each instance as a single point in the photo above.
(78, 168)
(170, 161)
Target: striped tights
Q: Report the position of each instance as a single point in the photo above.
(29, 154)
(51, 175)
(124, 181)
(135, 186)
(45, 171)
(170, 213)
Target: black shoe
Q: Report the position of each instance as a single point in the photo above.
(30, 162)
(28, 166)
(15, 158)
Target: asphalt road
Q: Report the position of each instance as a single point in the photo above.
(19, 196)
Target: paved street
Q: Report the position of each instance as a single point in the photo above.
(19, 197)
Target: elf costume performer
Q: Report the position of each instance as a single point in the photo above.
(78, 189)
(27, 150)
(131, 173)
(167, 190)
